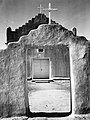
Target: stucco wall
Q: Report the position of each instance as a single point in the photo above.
(80, 76)
(60, 63)
(59, 57)
(13, 94)
(12, 78)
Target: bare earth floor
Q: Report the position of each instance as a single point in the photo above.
(49, 97)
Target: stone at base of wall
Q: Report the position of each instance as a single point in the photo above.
(76, 117)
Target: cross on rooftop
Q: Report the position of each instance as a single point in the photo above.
(49, 9)
(40, 7)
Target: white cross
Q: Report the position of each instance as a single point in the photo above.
(40, 7)
(49, 9)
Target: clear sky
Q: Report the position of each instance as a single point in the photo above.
(71, 13)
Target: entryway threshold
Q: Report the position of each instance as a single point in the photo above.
(42, 80)
(61, 78)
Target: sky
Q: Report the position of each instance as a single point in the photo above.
(71, 13)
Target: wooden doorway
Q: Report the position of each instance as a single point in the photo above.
(40, 68)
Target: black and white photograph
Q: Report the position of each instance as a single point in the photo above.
(45, 60)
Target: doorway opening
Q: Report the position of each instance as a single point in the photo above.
(54, 98)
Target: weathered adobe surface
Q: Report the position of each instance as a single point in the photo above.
(12, 75)
(13, 36)
(80, 56)
(12, 68)
(80, 62)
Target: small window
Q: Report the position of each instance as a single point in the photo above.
(40, 50)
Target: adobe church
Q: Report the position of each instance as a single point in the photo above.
(39, 50)
(43, 60)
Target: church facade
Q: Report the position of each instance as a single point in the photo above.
(14, 36)
(49, 48)
(47, 62)
(54, 59)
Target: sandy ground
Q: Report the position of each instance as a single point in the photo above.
(49, 97)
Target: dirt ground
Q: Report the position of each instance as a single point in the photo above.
(49, 97)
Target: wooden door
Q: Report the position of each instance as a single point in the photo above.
(40, 68)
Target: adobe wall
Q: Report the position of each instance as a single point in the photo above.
(13, 36)
(59, 58)
(12, 81)
(13, 85)
(80, 75)
(60, 62)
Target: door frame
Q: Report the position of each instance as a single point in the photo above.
(44, 58)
